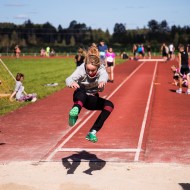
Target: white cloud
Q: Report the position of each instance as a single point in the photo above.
(21, 17)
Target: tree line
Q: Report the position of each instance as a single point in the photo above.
(30, 37)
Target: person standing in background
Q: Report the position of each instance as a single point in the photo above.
(47, 51)
(134, 50)
(79, 58)
(110, 64)
(149, 51)
(164, 51)
(184, 68)
(171, 51)
(102, 47)
(17, 51)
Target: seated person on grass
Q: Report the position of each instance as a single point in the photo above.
(19, 93)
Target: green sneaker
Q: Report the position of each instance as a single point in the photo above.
(73, 116)
(91, 137)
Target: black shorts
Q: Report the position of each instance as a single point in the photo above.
(176, 77)
(164, 54)
(184, 70)
(170, 52)
(110, 64)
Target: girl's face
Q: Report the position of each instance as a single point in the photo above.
(21, 78)
(181, 49)
(110, 50)
(91, 70)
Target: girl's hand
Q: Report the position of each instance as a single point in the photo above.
(101, 84)
(75, 85)
(11, 99)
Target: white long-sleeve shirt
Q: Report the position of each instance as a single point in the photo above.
(89, 84)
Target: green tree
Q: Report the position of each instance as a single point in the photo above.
(153, 25)
(14, 38)
(72, 41)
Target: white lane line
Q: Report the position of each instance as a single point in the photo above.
(97, 149)
(145, 117)
(150, 60)
(85, 121)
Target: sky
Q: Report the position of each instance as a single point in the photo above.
(97, 14)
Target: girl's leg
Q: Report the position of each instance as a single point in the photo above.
(179, 91)
(4, 95)
(106, 107)
(29, 97)
(111, 73)
(79, 98)
(106, 111)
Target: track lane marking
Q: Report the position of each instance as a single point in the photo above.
(85, 121)
(98, 149)
(137, 155)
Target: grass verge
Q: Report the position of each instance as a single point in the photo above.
(38, 72)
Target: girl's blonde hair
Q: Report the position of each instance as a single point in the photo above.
(92, 56)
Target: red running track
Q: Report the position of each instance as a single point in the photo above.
(150, 122)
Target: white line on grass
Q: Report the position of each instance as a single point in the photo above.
(85, 121)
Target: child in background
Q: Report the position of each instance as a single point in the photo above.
(79, 58)
(176, 75)
(88, 80)
(19, 92)
(110, 64)
(17, 51)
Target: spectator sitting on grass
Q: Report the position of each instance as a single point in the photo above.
(19, 92)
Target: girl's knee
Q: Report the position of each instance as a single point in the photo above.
(109, 106)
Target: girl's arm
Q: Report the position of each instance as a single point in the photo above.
(179, 61)
(79, 57)
(12, 95)
(114, 60)
(72, 80)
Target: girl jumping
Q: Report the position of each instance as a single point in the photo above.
(88, 80)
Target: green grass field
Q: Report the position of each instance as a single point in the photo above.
(38, 72)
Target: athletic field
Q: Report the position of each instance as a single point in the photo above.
(144, 144)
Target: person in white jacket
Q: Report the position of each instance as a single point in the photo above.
(88, 80)
(19, 93)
